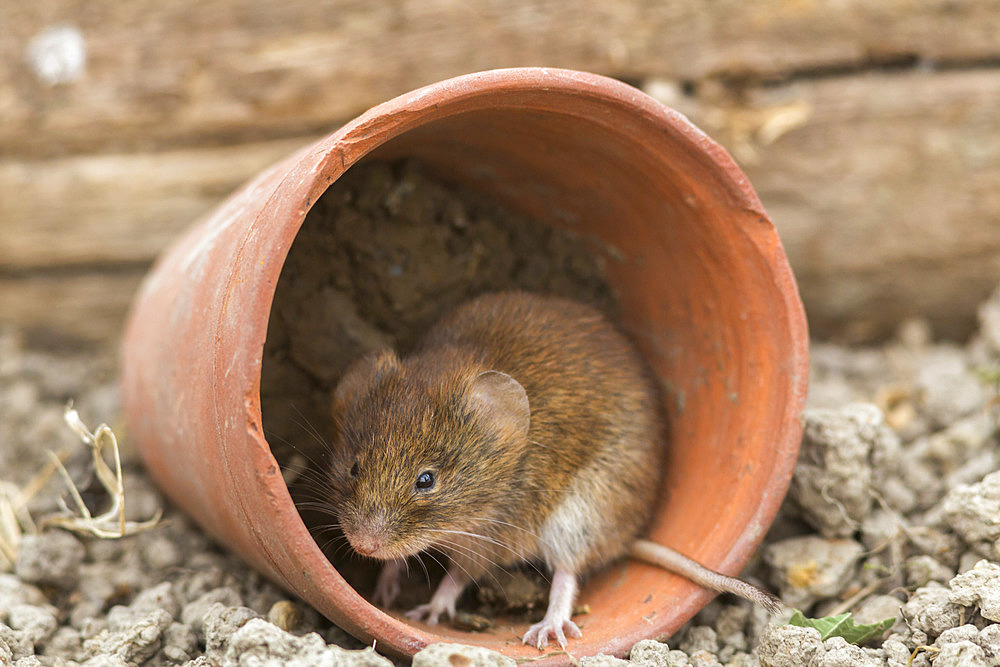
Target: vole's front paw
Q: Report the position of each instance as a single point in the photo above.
(431, 612)
(539, 633)
(386, 593)
(387, 587)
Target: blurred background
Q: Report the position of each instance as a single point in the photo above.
(870, 128)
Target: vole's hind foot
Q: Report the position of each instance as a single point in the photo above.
(539, 633)
(443, 601)
(388, 585)
(431, 612)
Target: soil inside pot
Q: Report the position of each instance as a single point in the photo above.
(382, 254)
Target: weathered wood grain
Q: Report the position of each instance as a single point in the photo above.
(190, 71)
(116, 208)
(76, 308)
(887, 196)
(883, 186)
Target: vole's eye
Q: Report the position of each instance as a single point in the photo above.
(425, 480)
(354, 470)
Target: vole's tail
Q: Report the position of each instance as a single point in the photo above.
(668, 559)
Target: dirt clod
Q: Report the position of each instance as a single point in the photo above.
(789, 646)
(845, 454)
(457, 655)
(52, 558)
(808, 568)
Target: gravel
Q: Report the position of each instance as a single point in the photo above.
(971, 511)
(651, 653)
(980, 588)
(893, 512)
(53, 558)
(258, 642)
(846, 454)
(789, 646)
(811, 568)
(457, 655)
(930, 610)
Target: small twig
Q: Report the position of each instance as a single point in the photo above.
(81, 507)
(902, 614)
(903, 526)
(864, 592)
(930, 649)
(8, 554)
(823, 492)
(15, 519)
(10, 528)
(39, 480)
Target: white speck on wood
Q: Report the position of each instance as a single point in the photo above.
(57, 55)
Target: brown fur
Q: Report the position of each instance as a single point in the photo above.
(594, 430)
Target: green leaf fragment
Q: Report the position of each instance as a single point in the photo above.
(988, 374)
(842, 625)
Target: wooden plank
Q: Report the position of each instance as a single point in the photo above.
(885, 191)
(883, 187)
(190, 71)
(878, 168)
(110, 209)
(69, 309)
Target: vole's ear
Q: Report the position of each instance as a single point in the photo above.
(360, 376)
(502, 401)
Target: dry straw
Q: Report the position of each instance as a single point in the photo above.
(16, 520)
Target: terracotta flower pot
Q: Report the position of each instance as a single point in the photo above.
(704, 286)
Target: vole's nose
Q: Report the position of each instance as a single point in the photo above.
(370, 537)
(367, 544)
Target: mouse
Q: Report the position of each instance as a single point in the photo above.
(520, 428)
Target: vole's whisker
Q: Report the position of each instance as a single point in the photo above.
(316, 496)
(510, 525)
(311, 429)
(318, 505)
(458, 565)
(344, 545)
(338, 552)
(517, 553)
(440, 564)
(465, 549)
(306, 454)
(315, 436)
(526, 531)
(307, 490)
(520, 556)
(473, 554)
(325, 528)
(311, 485)
(313, 477)
(427, 575)
(479, 537)
(327, 544)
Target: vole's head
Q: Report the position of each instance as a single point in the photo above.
(424, 447)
